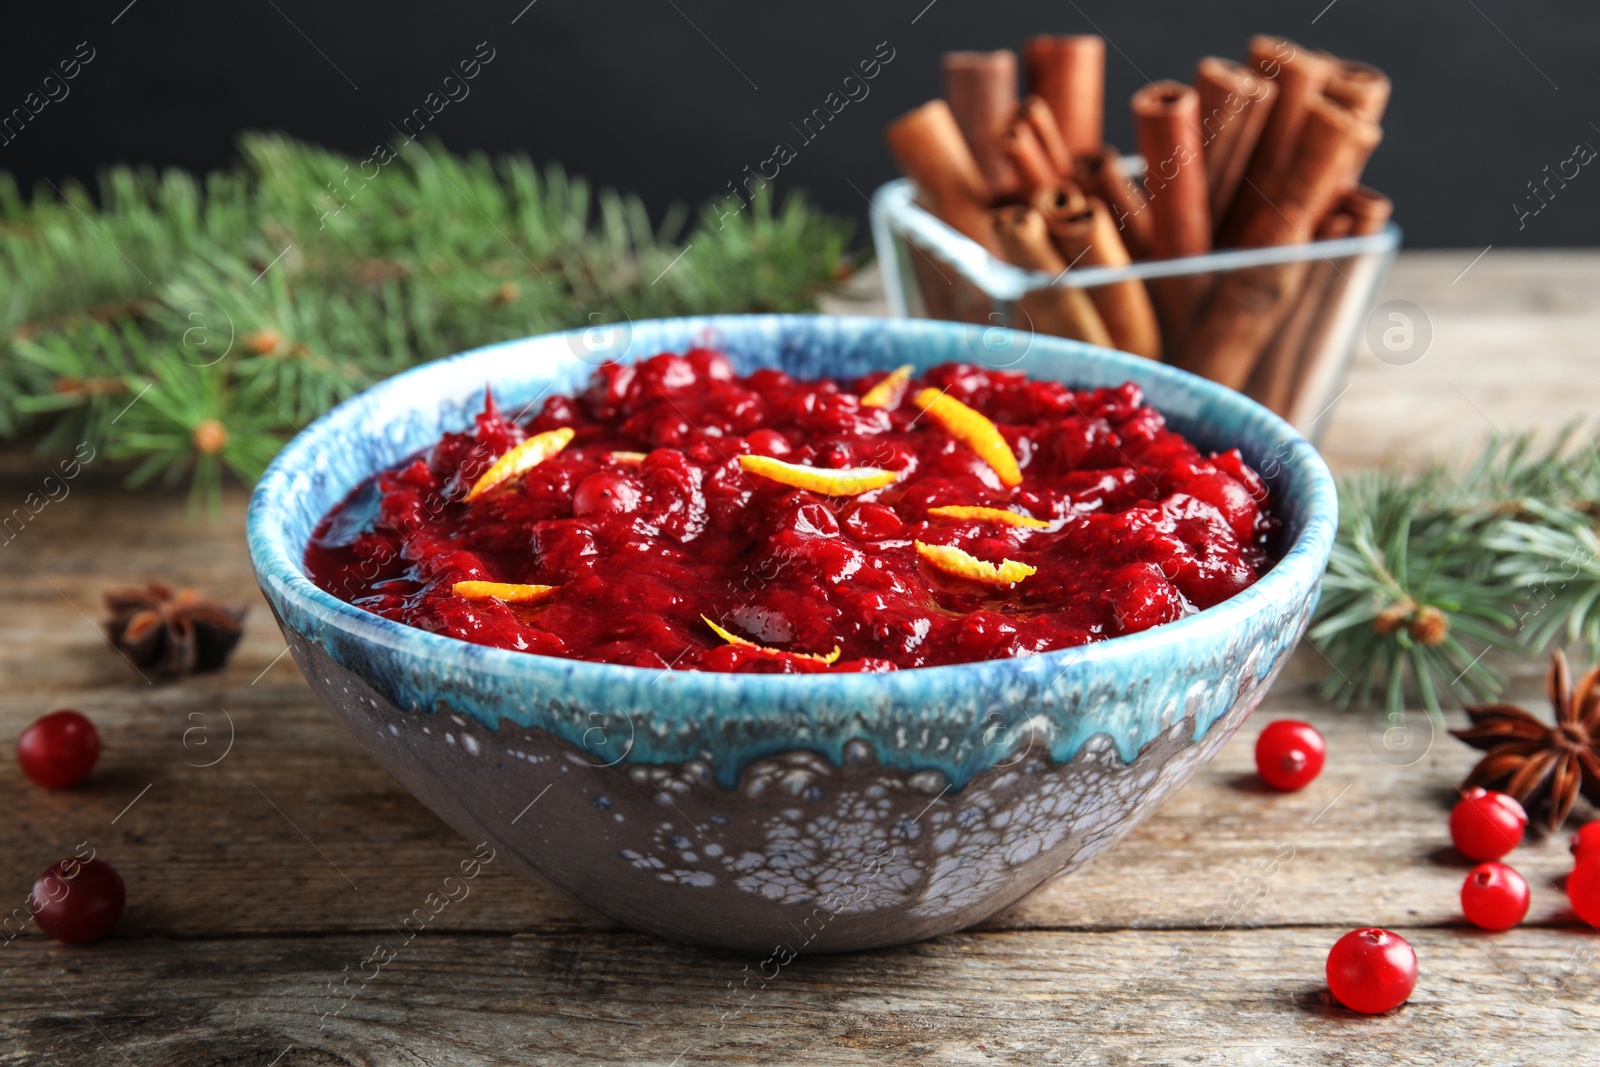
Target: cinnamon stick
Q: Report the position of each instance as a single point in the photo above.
(934, 283)
(932, 152)
(981, 88)
(1056, 309)
(1235, 101)
(946, 292)
(1272, 382)
(1102, 174)
(1300, 75)
(1369, 209)
(1166, 119)
(1326, 347)
(1089, 238)
(1250, 304)
(1043, 121)
(1334, 146)
(1244, 312)
(1059, 202)
(1361, 87)
(1069, 72)
(1027, 155)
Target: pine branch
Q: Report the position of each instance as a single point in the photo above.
(1553, 555)
(192, 423)
(76, 379)
(188, 326)
(1433, 569)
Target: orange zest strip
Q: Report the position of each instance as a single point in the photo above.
(887, 392)
(529, 454)
(1000, 515)
(735, 639)
(631, 459)
(506, 591)
(851, 481)
(973, 430)
(962, 564)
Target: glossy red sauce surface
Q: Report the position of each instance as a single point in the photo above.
(1145, 528)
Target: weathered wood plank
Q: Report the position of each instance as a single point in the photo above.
(1512, 350)
(1241, 997)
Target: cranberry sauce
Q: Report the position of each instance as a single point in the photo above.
(648, 521)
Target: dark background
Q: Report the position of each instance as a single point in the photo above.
(673, 98)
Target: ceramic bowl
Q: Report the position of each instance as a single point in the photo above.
(810, 813)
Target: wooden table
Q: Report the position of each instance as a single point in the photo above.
(264, 853)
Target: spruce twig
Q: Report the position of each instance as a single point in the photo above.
(189, 326)
(1435, 568)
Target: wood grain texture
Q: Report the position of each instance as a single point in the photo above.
(1060, 997)
(1512, 349)
(256, 880)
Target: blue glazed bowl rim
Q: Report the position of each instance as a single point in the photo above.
(279, 569)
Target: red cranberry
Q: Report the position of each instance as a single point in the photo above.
(965, 382)
(557, 411)
(1586, 842)
(77, 900)
(1371, 970)
(873, 522)
(613, 389)
(1234, 465)
(606, 493)
(565, 548)
(1289, 754)
(1485, 825)
(1583, 890)
(59, 749)
(804, 518)
(1226, 495)
(768, 443)
(1494, 896)
(710, 365)
(1142, 597)
(666, 375)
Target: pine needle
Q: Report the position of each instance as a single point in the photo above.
(1433, 569)
(188, 327)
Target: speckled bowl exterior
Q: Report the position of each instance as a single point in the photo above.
(777, 813)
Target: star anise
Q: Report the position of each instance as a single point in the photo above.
(172, 633)
(1542, 766)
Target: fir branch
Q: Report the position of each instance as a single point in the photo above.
(230, 311)
(77, 379)
(188, 422)
(1552, 554)
(1433, 569)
